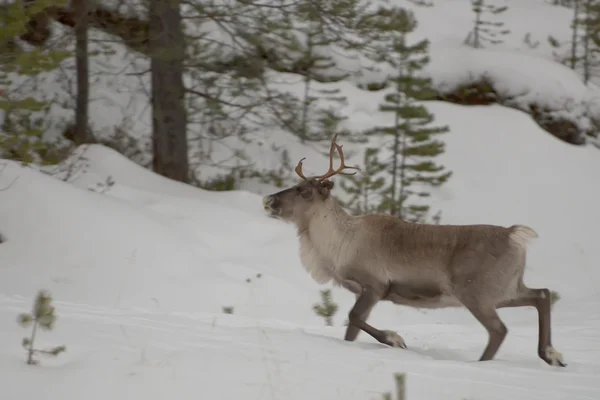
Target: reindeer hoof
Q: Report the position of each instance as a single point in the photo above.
(393, 339)
(553, 357)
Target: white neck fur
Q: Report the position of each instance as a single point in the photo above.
(326, 243)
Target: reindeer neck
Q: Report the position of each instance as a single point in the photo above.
(328, 225)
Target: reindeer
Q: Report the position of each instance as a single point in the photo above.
(380, 257)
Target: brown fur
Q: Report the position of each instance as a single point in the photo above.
(381, 257)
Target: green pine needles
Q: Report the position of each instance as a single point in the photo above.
(24, 124)
(486, 30)
(327, 308)
(319, 27)
(363, 187)
(42, 316)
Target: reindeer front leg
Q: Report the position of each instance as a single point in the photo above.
(352, 331)
(365, 302)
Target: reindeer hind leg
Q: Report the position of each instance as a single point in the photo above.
(540, 299)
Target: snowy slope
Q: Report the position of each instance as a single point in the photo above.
(141, 271)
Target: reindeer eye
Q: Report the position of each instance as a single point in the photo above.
(304, 192)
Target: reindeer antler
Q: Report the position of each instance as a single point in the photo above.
(331, 172)
(342, 166)
(299, 169)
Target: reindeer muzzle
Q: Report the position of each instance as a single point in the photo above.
(271, 205)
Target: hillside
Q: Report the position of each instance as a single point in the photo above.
(140, 273)
(142, 269)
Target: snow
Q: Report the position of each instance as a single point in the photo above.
(120, 90)
(140, 272)
(520, 80)
(142, 268)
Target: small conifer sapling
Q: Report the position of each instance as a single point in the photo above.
(400, 388)
(42, 316)
(554, 297)
(327, 308)
(485, 30)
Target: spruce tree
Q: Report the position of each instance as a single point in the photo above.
(485, 30)
(413, 145)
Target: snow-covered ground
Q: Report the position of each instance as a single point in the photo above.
(140, 273)
(141, 270)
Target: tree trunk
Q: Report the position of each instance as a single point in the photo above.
(587, 10)
(476, 43)
(169, 122)
(574, 39)
(82, 133)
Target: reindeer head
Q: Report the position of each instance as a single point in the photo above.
(299, 201)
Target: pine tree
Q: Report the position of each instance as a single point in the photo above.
(23, 128)
(315, 64)
(484, 30)
(82, 133)
(219, 81)
(42, 316)
(413, 145)
(364, 187)
(169, 114)
(245, 66)
(309, 38)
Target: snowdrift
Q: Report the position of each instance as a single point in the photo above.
(172, 248)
